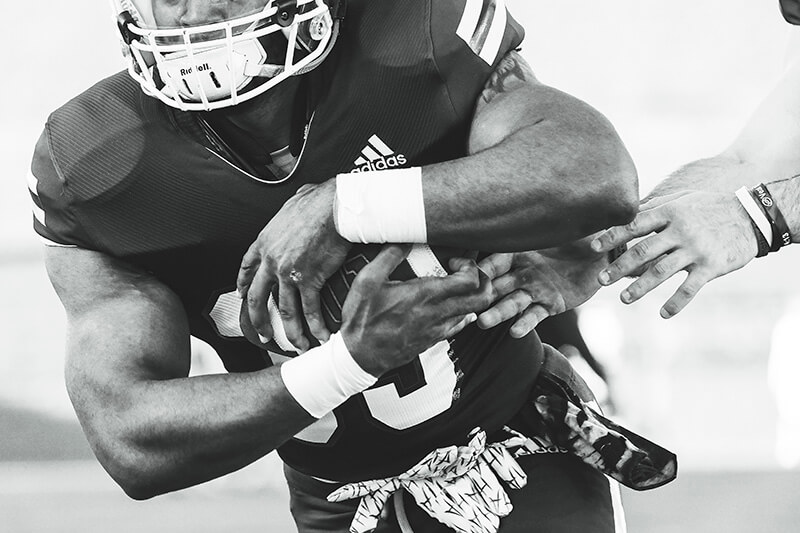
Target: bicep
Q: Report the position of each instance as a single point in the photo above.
(514, 101)
(124, 328)
(505, 93)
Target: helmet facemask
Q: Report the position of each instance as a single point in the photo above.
(216, 65)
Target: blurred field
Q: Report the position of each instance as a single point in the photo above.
(677, 79)
(77, 497)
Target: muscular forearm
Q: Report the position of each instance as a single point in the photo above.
(544, 168)
(543, 186)
(182, 432)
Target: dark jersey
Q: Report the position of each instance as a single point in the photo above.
(118, 172)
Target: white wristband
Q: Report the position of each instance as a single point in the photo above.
(324, 377)
(381, 206)
(755, 212)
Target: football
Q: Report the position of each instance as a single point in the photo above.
(422, 261)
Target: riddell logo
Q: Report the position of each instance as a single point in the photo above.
(376, 155)
(200, 68)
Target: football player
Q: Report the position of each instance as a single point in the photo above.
(300, 126)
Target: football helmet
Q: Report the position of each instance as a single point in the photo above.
(223, 63)
(791, 11)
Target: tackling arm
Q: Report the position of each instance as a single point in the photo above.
(153, 428)
(544, 168)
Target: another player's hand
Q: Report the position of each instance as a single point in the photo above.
(534, 285)
(707, 234)
(297, 251)
(386, 324)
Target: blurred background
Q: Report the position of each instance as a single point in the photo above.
(715, 384)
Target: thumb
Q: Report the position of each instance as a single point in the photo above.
(387, 260)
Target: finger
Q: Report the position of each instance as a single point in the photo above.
(456, 328)
(645, 222)
(386, 262)
(257, 296)
(528, 321)
(505, 309)
(659, 271)
(636, 257)
(467, 290)
(291, 314)
(312, 310)
(247, 270)
(247, 328)
(685, 293)
(496, 265)
(508, 283)
(457, 263)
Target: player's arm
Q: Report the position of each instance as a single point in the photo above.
(153, 429)
(544, 169)
(156, 430)
(693, 220)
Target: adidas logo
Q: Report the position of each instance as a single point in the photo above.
(377, 156)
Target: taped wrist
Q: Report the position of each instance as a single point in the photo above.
(324, 377)
(381, 206)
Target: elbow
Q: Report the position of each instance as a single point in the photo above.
(622, 200)
(616, 187)
(131, 477)
(130, 468)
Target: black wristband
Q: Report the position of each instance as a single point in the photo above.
(763, 245)
(780, 230)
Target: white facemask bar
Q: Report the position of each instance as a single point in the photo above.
(148, 50)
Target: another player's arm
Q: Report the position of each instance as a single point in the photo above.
(153, 429)
(693, 221)
(544, 168)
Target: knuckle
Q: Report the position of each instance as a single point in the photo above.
(641, 250)
(661, 268)
(688, 290)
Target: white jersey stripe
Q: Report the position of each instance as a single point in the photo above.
(33, 186)
(38, 213)
(360, 161)
(469, 20)
(494, 39)
(379, 145)
(33, 183)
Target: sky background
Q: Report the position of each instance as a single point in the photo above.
(677, 79)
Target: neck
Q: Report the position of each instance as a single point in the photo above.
(265, 120)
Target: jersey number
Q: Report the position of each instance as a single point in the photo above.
(403, 398)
